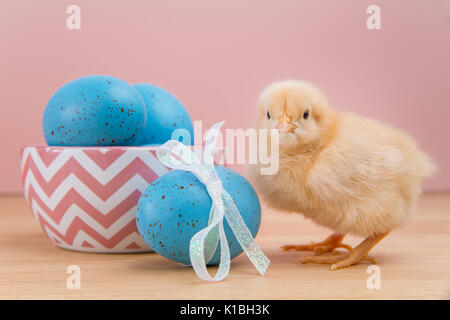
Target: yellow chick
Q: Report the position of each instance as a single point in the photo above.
(345, 172)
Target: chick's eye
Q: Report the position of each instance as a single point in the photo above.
(306, 115)
(268, 115)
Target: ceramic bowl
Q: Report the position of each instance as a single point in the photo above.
(84, 198)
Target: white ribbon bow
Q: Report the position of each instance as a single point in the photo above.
(174, 154)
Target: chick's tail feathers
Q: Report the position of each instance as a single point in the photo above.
(427, 168)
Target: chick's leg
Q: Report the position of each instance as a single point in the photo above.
(339, 260)
(329, 244)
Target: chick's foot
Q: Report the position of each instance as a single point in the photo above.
(339, 260)
(328, 245)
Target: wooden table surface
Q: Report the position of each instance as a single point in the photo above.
(414, 262)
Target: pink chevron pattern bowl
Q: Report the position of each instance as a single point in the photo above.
(85, 198)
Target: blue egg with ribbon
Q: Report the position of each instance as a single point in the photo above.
(177, 205)
(167, 118)
(94, 111)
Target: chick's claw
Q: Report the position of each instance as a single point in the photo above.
(326, 259)
(349, 261)
(328, 245)
(339, 260)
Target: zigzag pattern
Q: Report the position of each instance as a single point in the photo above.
(85, 198)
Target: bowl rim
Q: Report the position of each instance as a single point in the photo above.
(61, 148)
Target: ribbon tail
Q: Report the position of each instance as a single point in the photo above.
(196, 250)
(243, 235)
(211, 240)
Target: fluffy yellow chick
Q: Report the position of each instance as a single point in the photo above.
(348, 173)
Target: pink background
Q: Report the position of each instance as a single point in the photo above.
(216, 56)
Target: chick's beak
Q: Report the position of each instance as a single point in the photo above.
(285, 124)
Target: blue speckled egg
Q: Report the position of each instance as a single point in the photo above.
(165, 113)
(94, 111)
(176, 206)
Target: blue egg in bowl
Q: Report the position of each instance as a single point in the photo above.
(177, 205)
(167, 118)
(95, 111)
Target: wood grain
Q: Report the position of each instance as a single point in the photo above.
(414, 263)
